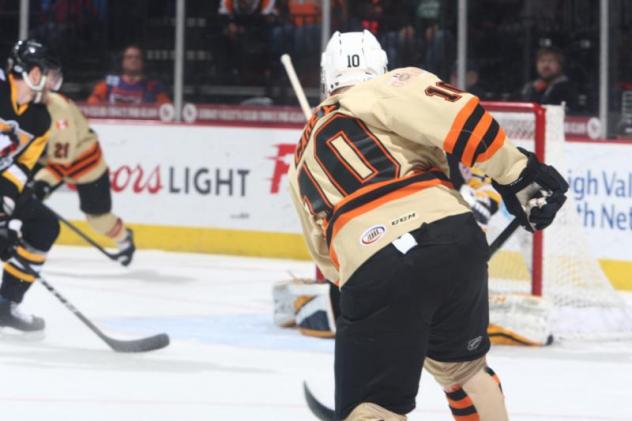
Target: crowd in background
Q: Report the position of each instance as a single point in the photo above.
(233, 46)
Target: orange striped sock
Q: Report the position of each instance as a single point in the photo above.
(461, 405)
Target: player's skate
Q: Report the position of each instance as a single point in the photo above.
(126, 249)
(12, 317)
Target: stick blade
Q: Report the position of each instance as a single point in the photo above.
(151, 343)
(319, 410)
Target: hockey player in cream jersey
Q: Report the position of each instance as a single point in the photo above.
(370, 183)
(74, 156)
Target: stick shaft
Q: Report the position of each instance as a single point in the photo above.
(503, 236)
(80, 233)
(286, 60)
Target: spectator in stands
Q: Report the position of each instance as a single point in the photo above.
(472, 80)
(439, 43)
(391, 21)
(304, 33)
(130, 86)
(248, 39)
(552, 86)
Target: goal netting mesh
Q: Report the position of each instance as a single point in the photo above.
(559, 264)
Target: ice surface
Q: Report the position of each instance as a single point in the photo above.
(227, 360)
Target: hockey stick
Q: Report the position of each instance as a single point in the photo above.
(319, 410)
(150, 343)
(503, 236)
(324, 413)
(76, 230)
(286, 60)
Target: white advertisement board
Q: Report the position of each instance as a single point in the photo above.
(235, 178)
(196, 176)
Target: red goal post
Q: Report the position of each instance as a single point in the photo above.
(537, 135)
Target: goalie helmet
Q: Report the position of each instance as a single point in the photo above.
(28, 54)
(351, 58)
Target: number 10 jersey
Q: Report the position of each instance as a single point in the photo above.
(371, 164)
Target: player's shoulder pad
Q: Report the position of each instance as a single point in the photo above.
(394, 82)
(405, 76)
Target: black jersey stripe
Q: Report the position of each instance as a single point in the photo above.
(486, 141)
(376, 194)
(466, 131)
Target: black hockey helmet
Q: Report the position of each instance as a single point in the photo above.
(27, 54)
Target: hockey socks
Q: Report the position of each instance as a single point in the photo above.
(479, 399)
(19, 274)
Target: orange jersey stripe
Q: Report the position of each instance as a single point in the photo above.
(88, 167)
(475, 139)
(497, 143)
(457, 125)
(397, 194)
(88, 155)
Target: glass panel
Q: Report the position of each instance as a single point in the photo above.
(92, 39)
(544, 51)
(535, 50)
(9, 26)
(620, 65)
(233, 48)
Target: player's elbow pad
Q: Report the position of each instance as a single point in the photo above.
(536, 196)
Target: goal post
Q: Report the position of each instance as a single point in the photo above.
(535, 132)
(556, 263)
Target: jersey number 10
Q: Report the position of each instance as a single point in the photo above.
(350, 157)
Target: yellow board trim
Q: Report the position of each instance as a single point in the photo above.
(273, 244)
(202, 240)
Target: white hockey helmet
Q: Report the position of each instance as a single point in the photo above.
(351, 58)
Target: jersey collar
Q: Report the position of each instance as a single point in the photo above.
(18, 108)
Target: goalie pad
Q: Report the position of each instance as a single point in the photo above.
(305, 304)
(519, 319)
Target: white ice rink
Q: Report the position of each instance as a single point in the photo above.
(228, 362)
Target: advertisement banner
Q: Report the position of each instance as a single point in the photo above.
(197, 176)
(234, 179)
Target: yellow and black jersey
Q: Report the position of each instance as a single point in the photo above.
(24, 132)
(73, 152)
(371, 164)
(475, 178)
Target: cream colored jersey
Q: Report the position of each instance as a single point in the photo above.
(371, 164)
(73, 150)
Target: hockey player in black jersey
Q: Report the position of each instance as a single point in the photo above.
(27, 229)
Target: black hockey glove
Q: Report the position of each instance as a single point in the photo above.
(40, 189)
(536, 196)
(10, 233)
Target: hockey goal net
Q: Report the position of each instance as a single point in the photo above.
(556, 263)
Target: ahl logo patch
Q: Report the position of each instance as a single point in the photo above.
(474, 343)
(372, 234)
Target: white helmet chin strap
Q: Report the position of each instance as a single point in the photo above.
(37, 89)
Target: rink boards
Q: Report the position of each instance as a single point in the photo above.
(223, 189)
